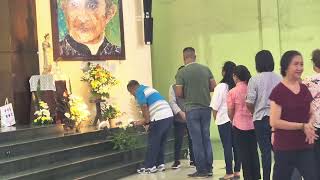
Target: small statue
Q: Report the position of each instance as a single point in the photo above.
(46, 47)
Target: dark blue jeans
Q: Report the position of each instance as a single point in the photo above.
(286, 161)
(179, 131)
(157, 138)
(263, 134)
(198, 121)
(229, 147)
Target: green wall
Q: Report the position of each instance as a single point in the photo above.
(230, 30)
(222, 30)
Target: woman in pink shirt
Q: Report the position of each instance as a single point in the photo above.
(243, 124)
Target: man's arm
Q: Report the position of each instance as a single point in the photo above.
(146, 116)
(173, 101)
(179, 91)
(145, 113)
(142, 101)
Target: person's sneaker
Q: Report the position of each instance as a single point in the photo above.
(161, 168)
(176, 165)
(198, 175)
(210, 173)
(141, 170)
(192, 164)
(151, 170)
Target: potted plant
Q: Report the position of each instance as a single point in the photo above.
(110, 113)
(122, 139)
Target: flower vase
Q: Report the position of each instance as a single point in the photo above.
(78, 127)
(113, 123)
(98, 102)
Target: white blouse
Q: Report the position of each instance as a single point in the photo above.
(219, 103)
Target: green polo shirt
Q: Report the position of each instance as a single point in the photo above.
(195, 79)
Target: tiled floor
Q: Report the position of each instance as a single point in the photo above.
(180, 174)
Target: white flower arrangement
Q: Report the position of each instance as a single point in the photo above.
(78, 110)
(43, 115)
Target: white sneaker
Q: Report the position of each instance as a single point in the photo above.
(141, 170)
(161, 168)
(151, 170)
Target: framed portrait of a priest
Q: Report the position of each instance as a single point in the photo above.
(87, 30)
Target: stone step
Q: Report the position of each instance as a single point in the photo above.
(119, 170)
(83, 166)
(40, 145)
(11, 135)
(55, 156)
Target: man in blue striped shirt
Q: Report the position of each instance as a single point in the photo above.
(158, 115)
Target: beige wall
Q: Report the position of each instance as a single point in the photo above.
(136, 66)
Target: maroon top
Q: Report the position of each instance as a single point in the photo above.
(295, 108)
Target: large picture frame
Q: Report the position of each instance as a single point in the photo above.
(87, 30)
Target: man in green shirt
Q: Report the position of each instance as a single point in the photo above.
(194, 83)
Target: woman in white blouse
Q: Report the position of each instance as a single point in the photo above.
(220, 114)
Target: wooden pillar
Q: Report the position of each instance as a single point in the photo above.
(18, 54)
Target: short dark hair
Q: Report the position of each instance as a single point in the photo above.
(228, 69)
(132, 84)
(264, 61)
(189, 49)
(316, 58)
(242, 73)
(286, 60)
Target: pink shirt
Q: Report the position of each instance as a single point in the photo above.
(236, 100)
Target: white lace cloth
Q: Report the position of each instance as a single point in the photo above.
(47, 83)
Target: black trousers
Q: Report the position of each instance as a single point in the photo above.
(287, 161)
(248, 153)
(317, 153)
(179, 131)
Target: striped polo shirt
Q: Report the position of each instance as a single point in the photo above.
(158, 107)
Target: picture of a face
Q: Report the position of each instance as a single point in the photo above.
(86, 19)
(87, 30)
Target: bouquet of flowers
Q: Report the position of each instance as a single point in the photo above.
(100, 80)
(77, 111)
(43, 115)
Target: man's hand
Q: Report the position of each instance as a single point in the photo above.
(183, 115)
(138, 123)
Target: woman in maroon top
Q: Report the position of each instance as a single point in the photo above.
(291, 118)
